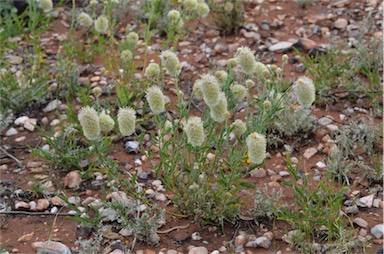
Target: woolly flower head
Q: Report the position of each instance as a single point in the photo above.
(262, 72)
(101, 24)
(89, 121)
(249, 83)
(97, 91)
(93, 2)
(132, 37)
(190, 5)
(170, 62)
(85, 20)
(106, 122)
(246, 60)
(239, 92)
(239, 128)
(46, 5)
(196, 90)
(257, 146)
(222, 77)
(219, 112)
(173, 16)
(267, 104)
(210, 88)
(152, 71)
(231, 63)
(305, 90)
(202, 9)
(126, 119)
(195, 131)
(228, 7)
(155, 98)
(126, 55)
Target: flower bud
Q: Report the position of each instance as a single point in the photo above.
(219, 112)
(261, 71)
(85, 20)
(257, 146)
(222, 77)
(170, 62)
(132, 37)
(155, 98)
(238, 128)
(152, 71)
(249, 83)
(238, 92)
(231, 63)
(126, 56)
(126, 119)
(89, 121)
(106, 122)
(97, 91)
(202, 9)
(284, 58)
(101, 24)
(196, 90)
(306, 91)
(279, 71)
(190, 5)
(266, 104)
(228, 7)
(210, 88)
(93, 2)
(46, 5)
(246, 60)
(195, 131)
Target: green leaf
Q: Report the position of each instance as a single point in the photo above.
(248, 185)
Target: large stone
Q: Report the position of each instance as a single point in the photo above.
(360, 222)
(12, 131)
(51, 247)
(73, 180)
(366, 201)
(341, 23)
(52, 105)
(258, 173)
(263, 242)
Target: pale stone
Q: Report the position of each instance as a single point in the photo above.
(11, 132)
(310, 152)
(281, 46)
(258, 173)
(21, 120)
(198, 250)
(51, 247)
(361, 222)
(340, 23)
(378, 231)
(73, 180)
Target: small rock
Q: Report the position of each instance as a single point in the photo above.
(51, 247)
(378, 231)
(117, 251)
(284, 173)
(281, 46)
(74, 200)
(21, 120)
(366, 201)
(11, 132)
(26, 237)
(263, 242)
(294, 160)
(324, 121)
(360, 222)
(352, 210)
(196, 236)
(376, 202)
(291, 235)
(14, 60)
(73, 180)
(265, 25)
(131, 146)
(198, 250)
(160, 197)
(32, 205)
(332, 127)
(258, 173)
(310, 152)
(215, 252)
(42, 204)
(21, 204)
(54, 209)
(240, 240)
(340, 23)
(320, 164)
(45, 147)
(56, 201)
(52, 105)
(30, 124)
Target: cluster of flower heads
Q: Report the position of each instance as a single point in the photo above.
(170, 62)
(93, 124)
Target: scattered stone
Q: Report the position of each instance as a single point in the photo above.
(378, 231)
(51, 247)
(30, 124)
(14, 60)
(196, 236)
(360, 222)
(310, 152)
(265, 25)
(32, 205)
(240, 240)
(366, 201)
(11, 132)
(52, 106)
(291, 235)
(324, 121)
(258, 173)
(283, 173)
(281, 46)
(21, 204)
(73, 180)
(125, 232)
(300, 68)
(42, 204)
(26, 237)
(320, 164)
(117, 251)
(352, 210)
(332, 127)
(74, 200)
(340, 23)
(131, 146)
(56, 201)
(376, 202)
(294, 160)
(160, 197)
(305, 44)
(215, 252)
(198, 250)
(263, 242)
(54, 210)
